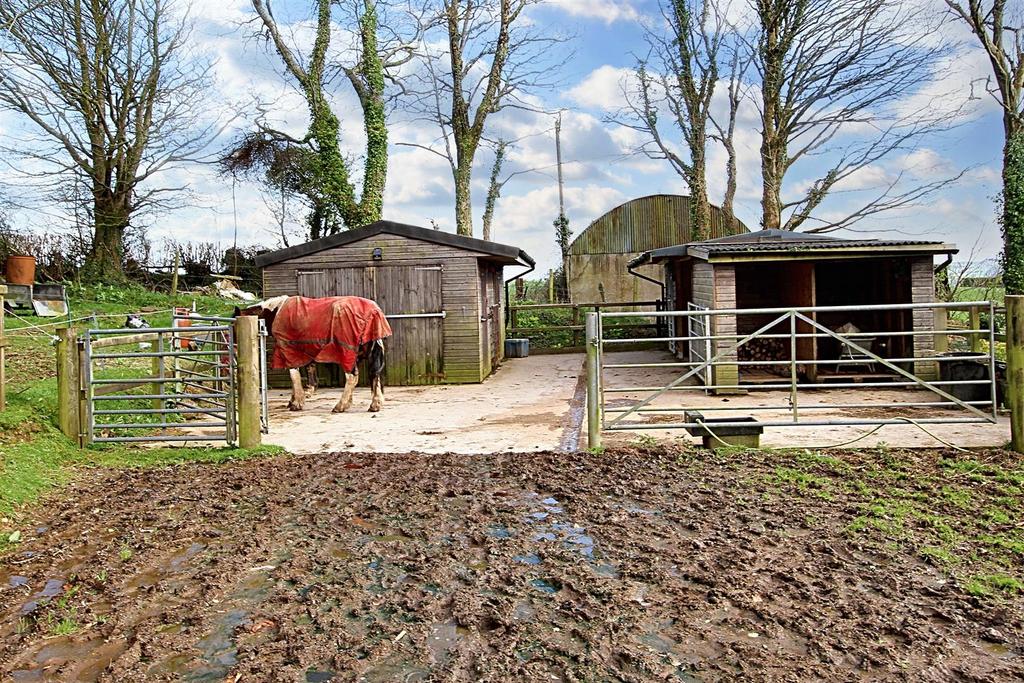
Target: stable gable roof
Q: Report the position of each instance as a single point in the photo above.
(502, 253)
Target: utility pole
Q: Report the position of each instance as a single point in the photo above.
(558, 159)
(561, 223)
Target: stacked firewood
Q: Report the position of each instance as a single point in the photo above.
(765, 350)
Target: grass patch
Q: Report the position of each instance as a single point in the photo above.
(30, 467)
(34, 455)
(939, 555)
(960, 514)
(989, 585)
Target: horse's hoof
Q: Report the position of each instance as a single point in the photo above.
(295, 407)
(338, 409)
(374, 408)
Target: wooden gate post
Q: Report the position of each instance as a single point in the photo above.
(3, 352)
(248, 401)
(68, 384)
(593, 383)
(1015, 368)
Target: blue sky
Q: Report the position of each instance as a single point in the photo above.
(601, 170)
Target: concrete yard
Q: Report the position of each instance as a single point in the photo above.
(537, 403)
(527, 405)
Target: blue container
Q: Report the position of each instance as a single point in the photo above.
(517, 348)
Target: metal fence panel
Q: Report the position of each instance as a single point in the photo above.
(703, 351)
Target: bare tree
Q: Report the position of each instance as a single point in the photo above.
(835, 77)
(112, 93)
(492, 59)
(725, 129)
(332, 188)
(998, 27)
(680, 75)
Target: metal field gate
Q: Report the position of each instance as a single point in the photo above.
(171, 384)
(807, 369)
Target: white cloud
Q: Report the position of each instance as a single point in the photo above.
(608, 11)
(602, 88)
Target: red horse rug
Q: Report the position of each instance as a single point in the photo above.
(325, 330)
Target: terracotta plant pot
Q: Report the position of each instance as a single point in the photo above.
(20, 270)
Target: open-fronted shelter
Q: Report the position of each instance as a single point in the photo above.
(442, 293)
(773, 269)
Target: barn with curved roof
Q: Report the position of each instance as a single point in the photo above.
(600, 255)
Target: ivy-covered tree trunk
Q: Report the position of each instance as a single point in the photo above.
(1012, 218)
(494, 188)
(370, 88)
(700, 208)
(332, 180)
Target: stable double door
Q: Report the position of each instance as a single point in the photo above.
(410, 297)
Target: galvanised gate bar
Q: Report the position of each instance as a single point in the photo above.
(709, 360)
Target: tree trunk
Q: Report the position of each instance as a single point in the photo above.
(1013, 212)
(700, 209)
(729, 200)
(105, 262)
(463, 199)
(771, 174)
(371, 205)
(332, 170)
(773, 141)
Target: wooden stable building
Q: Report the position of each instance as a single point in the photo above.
(442, 293)
(782, 269)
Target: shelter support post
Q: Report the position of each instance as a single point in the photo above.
(249, 408)
(1015, 368)
(68, 384)
(593, 381)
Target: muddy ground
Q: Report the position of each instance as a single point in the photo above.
(637, 565)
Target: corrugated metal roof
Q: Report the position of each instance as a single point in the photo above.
(644, 224)
(781, 241)
(803, 245)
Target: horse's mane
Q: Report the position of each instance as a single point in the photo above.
(273, 303)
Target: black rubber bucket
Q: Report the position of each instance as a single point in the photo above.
(967, 369)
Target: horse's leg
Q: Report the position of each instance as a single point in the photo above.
(311, 379)
(351, 380)
(298, 395)
(376, 362)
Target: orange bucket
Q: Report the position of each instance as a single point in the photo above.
(183, 341)
(20, 270)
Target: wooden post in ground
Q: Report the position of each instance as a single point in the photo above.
(575, 323)
(174, 275)
(3, 351)
(593, 383)
(68, 384)
(1015, 368)
(941, 327)
(248, 382)
(975, 324)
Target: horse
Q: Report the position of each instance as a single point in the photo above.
(338, 329)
